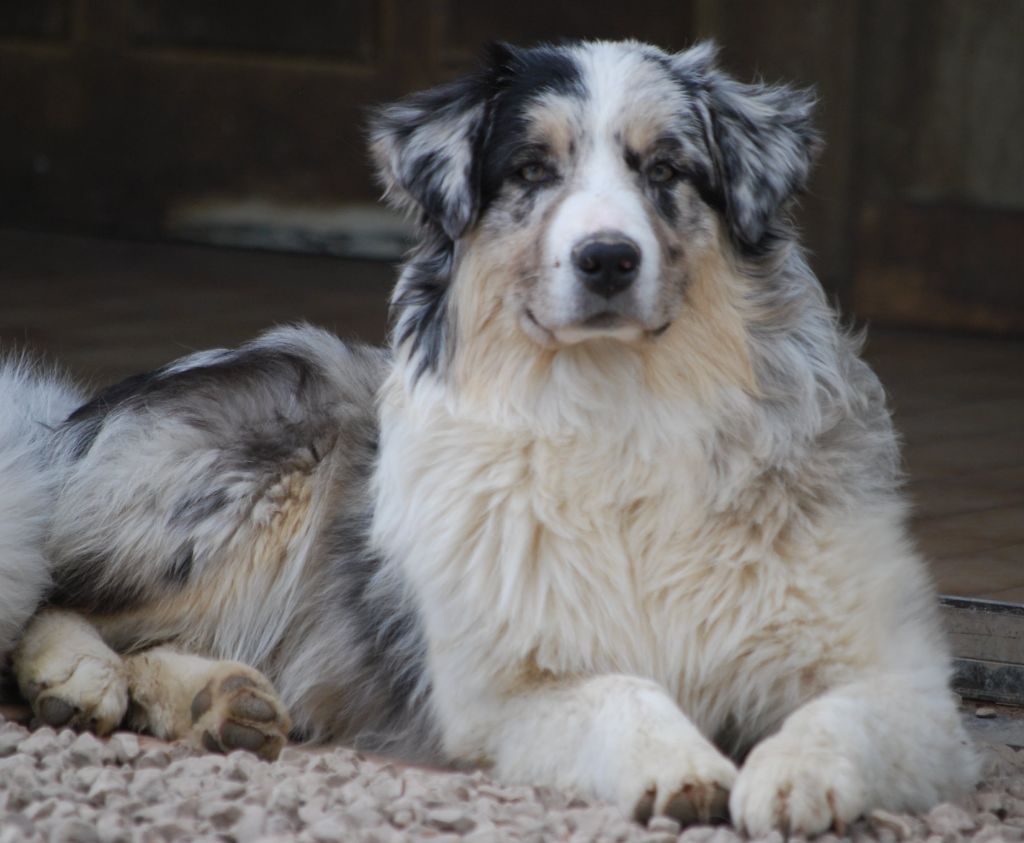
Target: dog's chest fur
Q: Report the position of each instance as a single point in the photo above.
(598, 552)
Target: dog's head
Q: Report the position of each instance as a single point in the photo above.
(584, 184)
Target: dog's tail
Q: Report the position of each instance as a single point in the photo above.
(33, 403)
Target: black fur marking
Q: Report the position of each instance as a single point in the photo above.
(420, 305)
(488, 108)
(191, 511)
(79, 583)
(88, 419)
(633, 159)
(385, 626)
(707, 188)
(180, 569)
(382, 625)
(166, 386)
(527, 75)
(665, 201)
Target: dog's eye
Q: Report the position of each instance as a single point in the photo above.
(535, 172)
(661, 172)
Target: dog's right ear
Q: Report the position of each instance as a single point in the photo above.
(425, 148)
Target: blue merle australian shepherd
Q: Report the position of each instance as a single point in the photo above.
(618, 511)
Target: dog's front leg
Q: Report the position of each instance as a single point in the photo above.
(891, 742)
(619, 738)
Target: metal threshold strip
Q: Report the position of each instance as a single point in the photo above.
(987, 638)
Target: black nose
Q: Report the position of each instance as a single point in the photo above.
(606, 265)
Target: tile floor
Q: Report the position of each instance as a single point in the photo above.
(107, 309)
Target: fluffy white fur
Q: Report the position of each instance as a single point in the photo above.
(622, 550)
(32, 404)
(555, 571)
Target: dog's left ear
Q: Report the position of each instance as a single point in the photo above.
(424, 148)
(760, 137)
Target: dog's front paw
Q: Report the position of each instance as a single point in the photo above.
(689, 782)
(802, 791)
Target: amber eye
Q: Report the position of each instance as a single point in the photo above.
(661, 172)
(535, 172)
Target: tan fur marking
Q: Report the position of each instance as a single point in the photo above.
(703, 351)
(258, 553)
(551, 125)
(706, 346)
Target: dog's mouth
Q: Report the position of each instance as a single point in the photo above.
(605, 324)
(605, 320)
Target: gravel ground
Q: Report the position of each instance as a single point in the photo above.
(62, 786)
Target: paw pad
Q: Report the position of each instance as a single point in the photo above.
(238, 712)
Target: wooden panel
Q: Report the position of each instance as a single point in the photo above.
(467, 24)
(116, 139)
(35, 19)
(946, 266)
(306, 27)
(985, 630)
(943, 111)
(941, 118)
(117, 142)
(987, 639)
(991, 681)
(806, 43)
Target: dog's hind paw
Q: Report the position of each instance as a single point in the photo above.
(93, 696)
(218, 706)
(237, 709)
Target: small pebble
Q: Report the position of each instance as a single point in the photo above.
(986, 712)
(74, 831)
(155, 757)
(658, 837)
(665, 825)
(450, 819)
(221, 815)
(948, 820)
(899, 825)
(87, 750)
(125, 746)
(9, 743)
(992, 834)
(41, 742)
(328, 830)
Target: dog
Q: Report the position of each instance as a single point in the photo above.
(618, 511)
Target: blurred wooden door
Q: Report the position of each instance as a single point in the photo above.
(120, 115)
(118, 112)
(941, 137)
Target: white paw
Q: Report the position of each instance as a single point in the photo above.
(799, 790)
(77, 691)
(687, 780)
